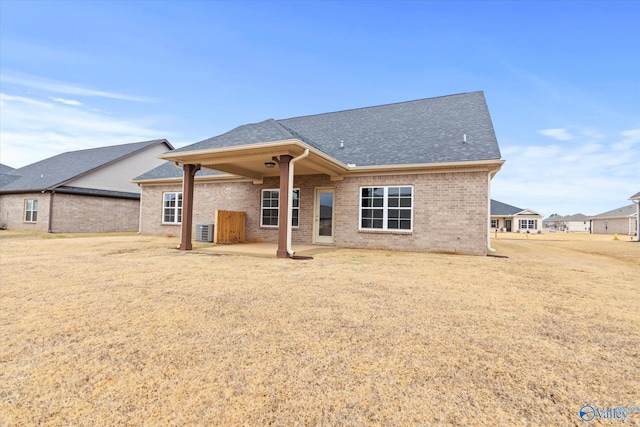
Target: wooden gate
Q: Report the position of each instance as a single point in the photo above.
(229, 227)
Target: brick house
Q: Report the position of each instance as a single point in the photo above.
(621, 221)
(79, 191)
(407, 176)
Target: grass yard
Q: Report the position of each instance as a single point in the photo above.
(125, 330)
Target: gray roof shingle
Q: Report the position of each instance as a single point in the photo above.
(430, 130)
(619, 212)
(4, 169)
(499, 208)
(169, 170)
(55, 171)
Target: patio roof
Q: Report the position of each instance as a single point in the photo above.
(250, 160)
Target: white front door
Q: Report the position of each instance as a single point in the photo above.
(323, 221)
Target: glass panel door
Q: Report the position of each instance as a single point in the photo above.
(324, 216)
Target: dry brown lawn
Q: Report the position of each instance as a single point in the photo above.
(126, 330)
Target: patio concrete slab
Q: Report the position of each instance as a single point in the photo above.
(266, 250)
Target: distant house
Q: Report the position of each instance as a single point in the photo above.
(79, 191)
(636, 200)
(570, 223)
(407, 176)
(576, 223)
(555, 222)
(616, 221)
(507, 218)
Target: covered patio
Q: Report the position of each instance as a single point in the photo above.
(256, 162)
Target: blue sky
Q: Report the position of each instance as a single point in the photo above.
(562, 79)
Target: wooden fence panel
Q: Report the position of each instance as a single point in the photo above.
(229, 227)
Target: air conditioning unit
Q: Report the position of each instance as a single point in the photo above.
(204, 232)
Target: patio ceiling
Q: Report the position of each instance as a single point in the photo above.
(249, 160)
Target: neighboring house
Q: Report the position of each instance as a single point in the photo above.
(636, 200)
(507, 218)
(5, 175)
(576, 223)
(79, 191)
(407, 176)
(554, 223)
(617, 221)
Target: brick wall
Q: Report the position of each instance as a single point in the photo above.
(450, 213)
(450, 210)
(12, 212)
(613, 226)
(71, 213)
(89, 214)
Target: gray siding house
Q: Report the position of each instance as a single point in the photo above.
(407, 176)
(79, 191)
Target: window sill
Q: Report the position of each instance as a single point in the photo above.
(171, 223)
(275, 227)
(402, 232)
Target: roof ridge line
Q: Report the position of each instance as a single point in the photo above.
(381, 105)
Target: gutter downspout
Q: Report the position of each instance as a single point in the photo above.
(140, 211)
(489, 213)
(290, 207)
(637, 219)
(50, 228)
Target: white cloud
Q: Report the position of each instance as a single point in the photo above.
(33, 129)
(583, 176)
(68, 101)
(560, 134)
(49, 85)
(631, 136)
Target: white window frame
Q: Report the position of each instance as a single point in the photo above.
(176, 210)
(528, 224)
(495, 223)
(295, 209)
(31, 208)
(385, 209)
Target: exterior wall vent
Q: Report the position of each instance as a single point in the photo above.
(204, 232)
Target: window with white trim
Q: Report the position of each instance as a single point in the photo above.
(528, 224)
(172, 208)
(386, 208)
(30, 210)
(495, 223)
(269, 210)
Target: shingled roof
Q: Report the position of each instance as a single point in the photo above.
(430, 130)
(503, 209)
(624, 211)
(55, 171)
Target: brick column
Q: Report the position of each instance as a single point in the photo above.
(283, 207)
(187, 205)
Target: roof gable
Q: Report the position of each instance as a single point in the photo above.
(57, 170)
